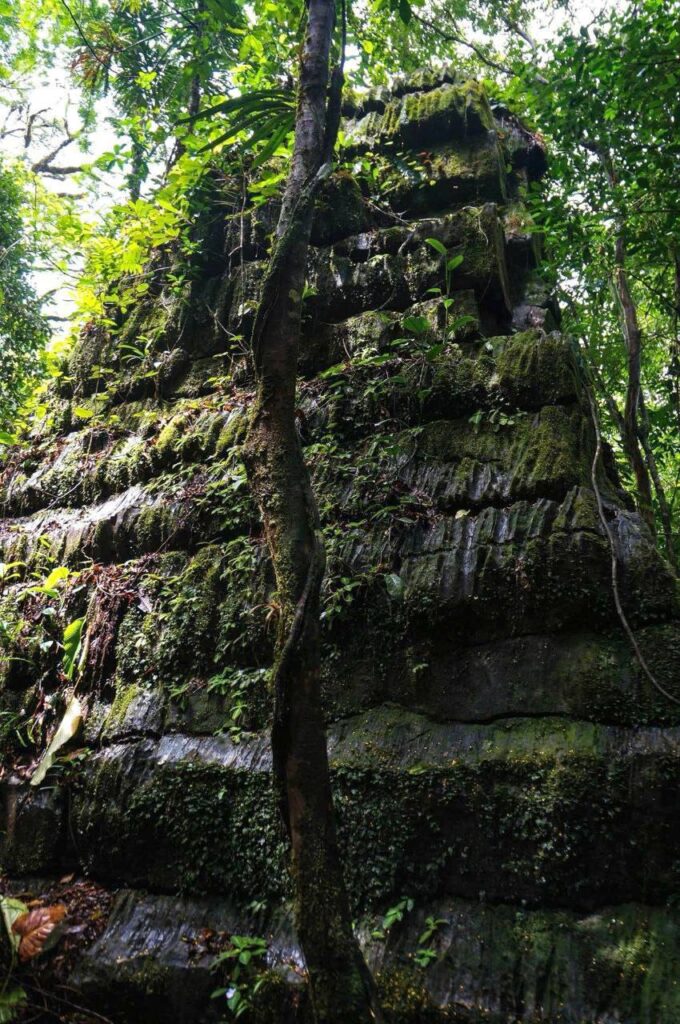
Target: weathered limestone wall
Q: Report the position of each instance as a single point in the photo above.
(496, 753)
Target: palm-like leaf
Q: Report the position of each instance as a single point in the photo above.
(267, 114)
(258, 100)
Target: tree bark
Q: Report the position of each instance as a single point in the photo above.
(341, 986)
(632, 337)
(138, 167)
(665, 513)
(633, 341)
(675, 344)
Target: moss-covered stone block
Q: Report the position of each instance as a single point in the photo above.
(498, 964)
(543, 811)
(544, 564)
(396, 267)
(136, 711)
(534, 369)
(92, 354)
(423, 183)
(476, 235)
(474, 380)
(339, 210)
(193, 825)
(443, 467)
(32, 827)
(506, 458)
(420, 119)
(343, 288)
(203, 614)
(492, 964)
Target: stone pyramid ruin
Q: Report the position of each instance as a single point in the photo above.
(500, 763)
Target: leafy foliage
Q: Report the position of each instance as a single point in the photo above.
(244, 960)
(607, 104)
(23, 331)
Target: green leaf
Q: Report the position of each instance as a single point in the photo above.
(416, 324)
(278, 137)
(405, 12)
(71, 643)
(55, 577)
(11, 1001)
(11, 909)
(454, 262)
(145, 78)
(461, 321)
(258, 99)
(333, 371)
(436, 245)
(395, 586)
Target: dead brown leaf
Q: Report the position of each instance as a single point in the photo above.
(34, 927)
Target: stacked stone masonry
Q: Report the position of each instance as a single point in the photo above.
(496, 754)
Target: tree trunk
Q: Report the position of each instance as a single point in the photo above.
(341, 986)
(675, 343)
(633, 340)
(632, 337)
(665, 513)
(138, 167)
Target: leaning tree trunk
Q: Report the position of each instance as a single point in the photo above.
(632, 337)
(341, 986)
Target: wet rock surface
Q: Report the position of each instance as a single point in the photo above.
(497, 755)
(494, 961)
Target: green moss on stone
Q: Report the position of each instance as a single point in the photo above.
(153, 525)
(534, 369)
(541, 455)
(187, 827)
(469, 173)
(205, 619)
(405, 1000)
(339, 210)
(124, 697)
(420, 119)
(232, 433)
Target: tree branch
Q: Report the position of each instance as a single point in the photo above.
(518, 30)
(46, 166)
(28, 135)
(450, 37)
(82, 35)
